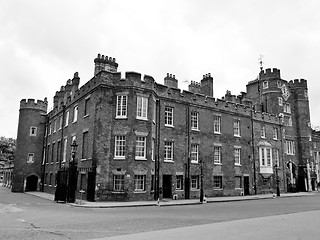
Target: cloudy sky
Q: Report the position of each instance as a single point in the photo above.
(42, 43)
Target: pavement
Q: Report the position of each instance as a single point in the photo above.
(170, 202)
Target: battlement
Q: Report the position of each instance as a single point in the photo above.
(298, 83)
(104, 63)
(268, 73)
(32, 104)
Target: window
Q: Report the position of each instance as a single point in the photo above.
(139, 182)
(168, 116)
(275, 133)
(33, 131)
(237, 154)
(217, 154)
(85, 145)
(120, 147)
(49, 154)
(287, 108)
(58, 151)
(75, 114)
(216, 124)
(194, 121)
(30, 158)
(195, 182)
(82, 181)
(50, 179)
(290, 148)
(52, 152)
(280, 100)
(236, 128)
(60, 122)
(179, 184)
(265, 156)
(287, 121)
(118, 183)
(142, 107)
(50, 128)
(194, 153)
(154, 112)
(153, 149)
(306, 93)
(152, 183)
(44, 156)
(217, 182)
(55, 126)
(238, 182)
(87, 104)
(141, 148)
(263, 131)
(279, 84)
(168, 151)
(67, 119)
(265, 85)
(121, 110)
(65, 145)
(276, 157)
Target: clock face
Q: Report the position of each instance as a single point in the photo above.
(285, 92)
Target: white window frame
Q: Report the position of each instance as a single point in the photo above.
(141, 148)
(194, 120)
(65, 145)
(54, 125)
(265, 84)
(265, 156)
(120, 147)
(60, 122)
(168, 116)
(217, 124)
(153, 144)
(194, 153)
(122, 106)
(290, 147)
(118, 183)
(279, 84)
(263, 131)
(276, 159)
(142, 107)
(287, 121)
(217, 154)
(287, 108)
(33, 131)
(30, 158)
(179, 182)
(75, 114)
(217, 182)
(275, 133)
(194, 182)
(67, 118)
(280, 101)
(237, 155)
(140, 183)
(236, 128)
(168, 151)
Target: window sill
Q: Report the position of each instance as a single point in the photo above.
(218, 133)
(85, 116)
(195, 130)
(118, 192)
(136, 191)
(168, 161)
(119, 158)
(169, 126)
(195, 189)
(194, 162)
(140, 159)
(121, 117)
(179, 190)
(237, 136)
(74, 122)
(237, 165)
(217, 189)
(143, 119)
(218, 164)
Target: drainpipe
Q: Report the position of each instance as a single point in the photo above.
(187, 178)
(157, 160)
(253, 153)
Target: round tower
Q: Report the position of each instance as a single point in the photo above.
(30, 137)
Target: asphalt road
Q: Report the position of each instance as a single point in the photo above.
(24, 216)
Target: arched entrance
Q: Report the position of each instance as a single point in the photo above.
(32, 183)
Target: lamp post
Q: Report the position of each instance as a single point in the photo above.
(72, 183)
(277, 180)
(201, 181)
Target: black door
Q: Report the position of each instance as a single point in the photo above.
(167, 192)
(32, 182)
(246, 183)
(91, 186)
(61, 189)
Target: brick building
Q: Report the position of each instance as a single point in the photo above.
(140, 140)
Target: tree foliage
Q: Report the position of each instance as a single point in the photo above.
(7, 149)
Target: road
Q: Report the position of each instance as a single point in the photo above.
(23, 216)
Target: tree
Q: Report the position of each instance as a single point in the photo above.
(7, 149)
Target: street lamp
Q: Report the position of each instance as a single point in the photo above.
(74, 147)
(277, 180)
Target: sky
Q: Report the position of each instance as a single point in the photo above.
(43, 43)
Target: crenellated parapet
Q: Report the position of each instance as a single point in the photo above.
(268, 73)
(36, 105)
(298, 83)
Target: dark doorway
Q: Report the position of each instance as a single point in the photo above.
(32, 183)
(167, 191)
(91, 186)
(246, 185)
